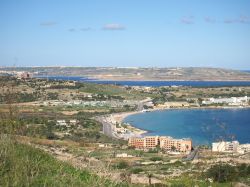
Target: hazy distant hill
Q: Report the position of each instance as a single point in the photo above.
(114, 73)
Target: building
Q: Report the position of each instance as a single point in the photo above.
(151, 142)
(170, 144)
(243, 148)
(164, 142)
(61, 123)
(230, 101)
(73, 122)
(223, 146)
(24, 75)
(136, 142)
(233, 146)
(66, 123)
(120, 129)
(123, 155)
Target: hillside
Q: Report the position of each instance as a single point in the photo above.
(133, 74)
(24, 165)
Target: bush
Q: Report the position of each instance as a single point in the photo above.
(244, 170)
(156, 159)
(152, 151)
(136, 170)
(51, 136)
(165, 168)
(122, 165)
(222, 173)
(178, 163)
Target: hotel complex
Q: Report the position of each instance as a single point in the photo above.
(229, 101)
(164, 142)
(231, 147)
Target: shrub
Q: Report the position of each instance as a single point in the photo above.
(152, 151)
(222, 173)
(156, 159)
(178, 163)
(136, 170)
(122, 165)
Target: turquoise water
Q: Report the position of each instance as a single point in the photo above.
(202, 125)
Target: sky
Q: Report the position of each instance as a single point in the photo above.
(125, 33)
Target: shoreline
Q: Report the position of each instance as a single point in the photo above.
(90, 79)
(137, 132)
(121, 116)
(132, 131)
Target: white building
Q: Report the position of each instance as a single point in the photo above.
(240, 101)
(73, 121)
(120, 130)
(123, 155)
(61, 123)
(24, 75)
(225, 146)
(76, 102)
(243, 148)
(230, 101)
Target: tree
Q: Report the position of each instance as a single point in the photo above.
(150, 175)
(200, 100)
(173, 148)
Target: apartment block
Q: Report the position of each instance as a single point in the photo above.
(170, 144)
(164, 142)
(232, 147)
(136, 142)
(224, 146)
(151, 142)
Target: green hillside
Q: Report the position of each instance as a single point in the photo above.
(24, 165)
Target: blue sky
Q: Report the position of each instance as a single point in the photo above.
(145, 33)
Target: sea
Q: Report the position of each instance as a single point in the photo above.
(203, 126)
(153, 83)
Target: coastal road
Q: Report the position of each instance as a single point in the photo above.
(107, 127)
(193, 155)
(142, 103)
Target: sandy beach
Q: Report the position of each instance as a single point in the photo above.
(119, 117)
(133, 131)
(121, 131)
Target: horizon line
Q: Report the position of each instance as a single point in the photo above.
(124, 67)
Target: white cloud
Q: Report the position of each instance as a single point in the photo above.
(187, 20)
(113, 26)
(241, 19)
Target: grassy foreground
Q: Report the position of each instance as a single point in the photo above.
(24, 165)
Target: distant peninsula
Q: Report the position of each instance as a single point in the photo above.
(138, 73)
